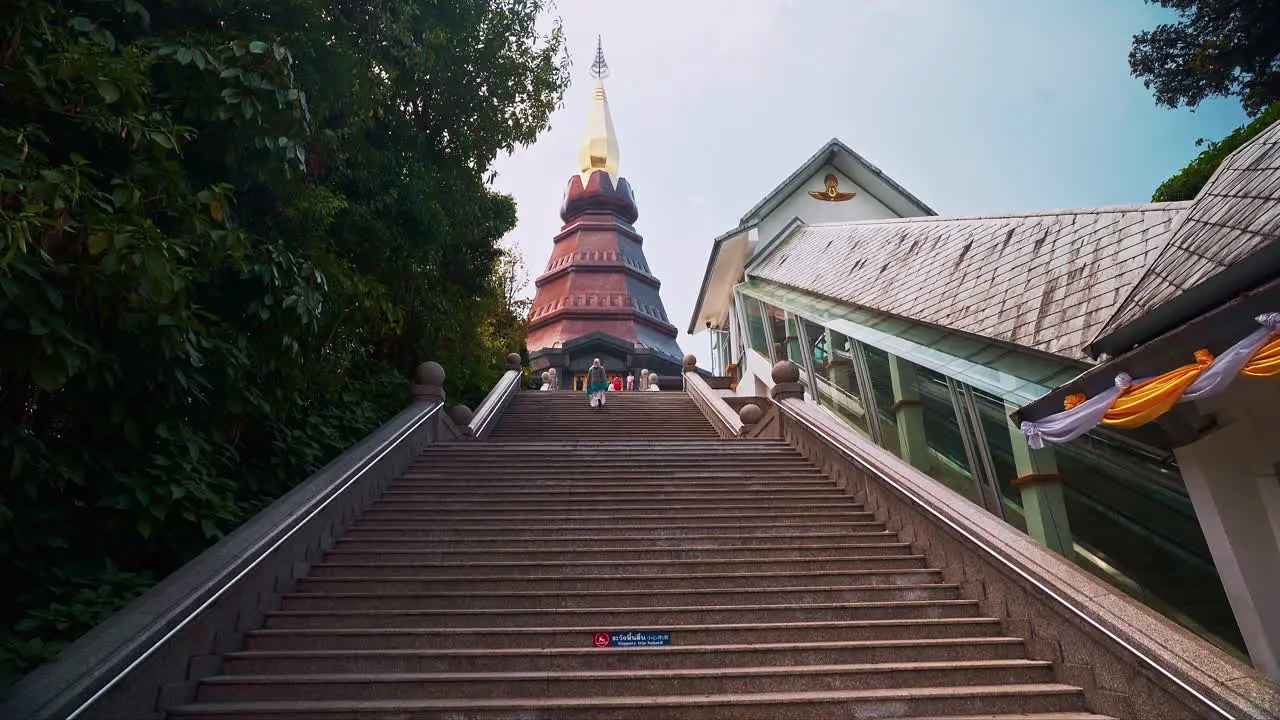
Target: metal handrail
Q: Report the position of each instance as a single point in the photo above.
(346, 480)
(982, 545)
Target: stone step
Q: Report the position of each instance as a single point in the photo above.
(649, 597)
(678, 517)
(291, 662)
(698, 529)
(398, 550)
(608, 486)
(591, 504)
(625, 617)
(569, 583)
(607, 568)
(496, 494)
(655, 471)
(376, 636)
(990, 702)
(629, 682)
(643, 541)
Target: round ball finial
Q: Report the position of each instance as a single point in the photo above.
(690, 361)
(513, 360)
(460, 415)
(786, 372)
(430, 373)
(750, 414)
(546, 376)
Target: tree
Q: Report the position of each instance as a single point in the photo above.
(1218, 48)
(1187, 183)
(228, 232)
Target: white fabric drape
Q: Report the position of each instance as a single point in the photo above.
(1071, 424)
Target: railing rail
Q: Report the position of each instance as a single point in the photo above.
(798, 411)
(142, 654)
(712, 404)
(494, 404)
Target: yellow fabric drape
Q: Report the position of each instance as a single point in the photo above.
(1265, 362)
(1146, 401)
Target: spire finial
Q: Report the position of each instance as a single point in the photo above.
(599, 68)
(599, 149)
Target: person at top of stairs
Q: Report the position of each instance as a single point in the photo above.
(597, 384)
(653, 383)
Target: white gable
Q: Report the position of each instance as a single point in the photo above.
(799, 204)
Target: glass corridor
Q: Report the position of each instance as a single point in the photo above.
(941, 402)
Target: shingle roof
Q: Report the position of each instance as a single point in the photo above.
(1234, 216)
(1046, 281)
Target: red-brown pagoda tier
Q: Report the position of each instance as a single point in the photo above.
(597, 297)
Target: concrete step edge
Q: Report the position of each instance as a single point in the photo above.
(724, 627)
(833, 696)
(569, 675)
(669, 649)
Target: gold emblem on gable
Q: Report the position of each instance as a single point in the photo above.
(832, 193)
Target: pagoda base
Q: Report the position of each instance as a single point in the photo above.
(619, 357)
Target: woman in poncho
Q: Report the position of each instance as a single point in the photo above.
(597, 384)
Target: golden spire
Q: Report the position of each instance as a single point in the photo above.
(599, 149)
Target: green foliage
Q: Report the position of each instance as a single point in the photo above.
(1187, 183)
(228, 233)
(1218, 48)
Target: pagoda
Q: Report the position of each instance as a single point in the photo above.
(597, 297)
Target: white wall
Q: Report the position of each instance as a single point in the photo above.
(1233, 477)
(757, 375)
(800, 204)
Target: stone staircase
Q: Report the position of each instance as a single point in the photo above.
(479, 585)
(626, 415)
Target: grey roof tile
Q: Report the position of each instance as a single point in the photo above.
(1040, 280)
(1235, 215)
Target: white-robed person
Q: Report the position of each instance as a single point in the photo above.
(546, 382)
(597, 384)
(653, 383)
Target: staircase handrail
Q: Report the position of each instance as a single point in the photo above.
(712, 404)
(1179, 657)
(161, 620)
(494, 404)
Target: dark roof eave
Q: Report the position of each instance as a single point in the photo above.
(1216, 329)
(1241, 277)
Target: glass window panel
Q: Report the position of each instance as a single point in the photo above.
(786, 341)
(948, 462)
(958, 346)
(882, 389)
(923, 334)
(755, 326)
(1027, 366)
(995, 428)
(838, 382)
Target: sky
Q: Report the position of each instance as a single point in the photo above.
(974, 106)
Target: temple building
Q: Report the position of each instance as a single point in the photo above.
(597, 297)
(1103, 379)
